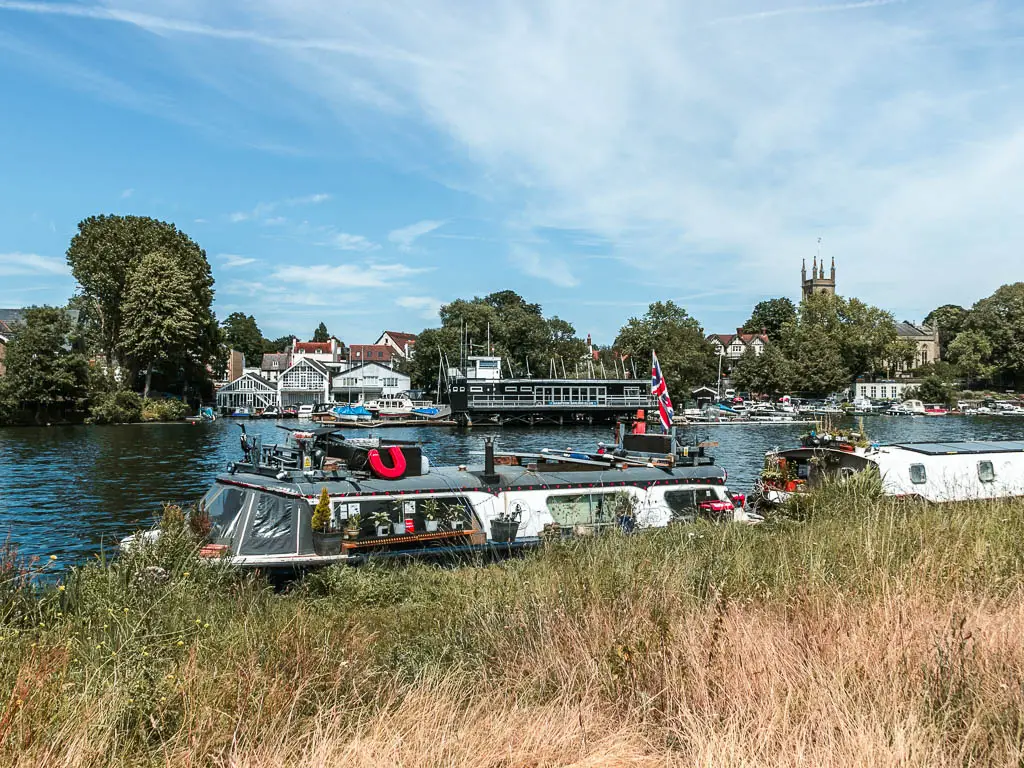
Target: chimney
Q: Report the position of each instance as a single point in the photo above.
(489, 475)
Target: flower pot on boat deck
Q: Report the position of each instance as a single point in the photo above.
(503, 531)
(398, 527)
(430, 526)
(327, 543)
(383, 530)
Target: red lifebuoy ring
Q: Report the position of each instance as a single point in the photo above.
(397, 468)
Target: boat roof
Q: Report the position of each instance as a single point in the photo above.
(953, 448)
(458, 480)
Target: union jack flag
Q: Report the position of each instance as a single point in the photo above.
(659, 390)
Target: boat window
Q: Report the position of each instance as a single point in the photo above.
(223, 511)
(272, 526)
(411, 509)
(986, 472)
(582, 509)
(918, 475)
(686, 502)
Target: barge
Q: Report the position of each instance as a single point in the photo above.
(385, 499)
(963, 470)
(480, 393)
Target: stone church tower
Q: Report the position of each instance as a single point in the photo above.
(817, 282)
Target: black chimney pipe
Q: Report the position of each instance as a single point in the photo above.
(489, 474)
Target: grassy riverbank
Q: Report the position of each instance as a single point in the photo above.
(871, 632)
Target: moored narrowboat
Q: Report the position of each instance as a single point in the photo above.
(387, 500)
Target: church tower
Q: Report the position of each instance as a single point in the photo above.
(817, 282)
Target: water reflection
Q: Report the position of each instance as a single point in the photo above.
(71, 490)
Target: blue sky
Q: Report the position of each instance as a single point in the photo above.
(362, 162)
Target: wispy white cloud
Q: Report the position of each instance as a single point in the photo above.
(425, 307)
(125, 194)
(549, 268)
(694, 144)
(406, 236)
(16, 264)
(342, 276)
(344, 241)
(799, 10)
(262, 211)
(232, 260)
(161, 24)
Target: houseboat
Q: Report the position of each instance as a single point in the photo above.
(387, 500)
(938, 472)
(479, 392)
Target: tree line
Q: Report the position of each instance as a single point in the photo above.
(142, 322)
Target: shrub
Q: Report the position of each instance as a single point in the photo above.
(118, 407)
(322, 512)
(164, 410)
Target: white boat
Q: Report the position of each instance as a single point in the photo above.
(391, 406)
(907, 408)
(306, 411)
(936, 471)
(386, 500)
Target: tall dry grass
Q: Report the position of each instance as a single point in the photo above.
(854, 631)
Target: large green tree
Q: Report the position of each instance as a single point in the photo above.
(280, 344)
(950, 320)
(769, 373)
(971, 353)
(241, 332)
(503, 324)
(44, 367)
(771, 315)
(861, 339)
(687, 358)
(104, 255)
(1000, 317)
(165, 322)
(321, 334)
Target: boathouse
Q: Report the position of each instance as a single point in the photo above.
(306, 382)
(248, 391)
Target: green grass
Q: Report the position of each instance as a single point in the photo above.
(850, 629)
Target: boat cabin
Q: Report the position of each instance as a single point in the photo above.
(940, 472)
(387, 500)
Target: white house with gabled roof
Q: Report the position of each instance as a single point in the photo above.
(306, 382)
(368, 381)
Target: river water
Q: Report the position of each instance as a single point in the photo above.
(73, 491)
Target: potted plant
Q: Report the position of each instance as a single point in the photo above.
(624, 509)
(326, 540)
(455, 515)
(352, 526)
(398, 521)
(431, 515)
(382, 521)
(506, 525)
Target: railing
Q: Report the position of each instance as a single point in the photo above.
(511, 401)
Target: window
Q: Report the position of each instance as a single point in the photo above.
(918, 475)
(390, 381)
(986, 472)
(686, 503)
(476, 389)
(222, 506)
(581, 509)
